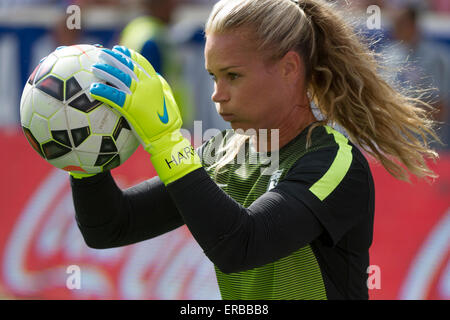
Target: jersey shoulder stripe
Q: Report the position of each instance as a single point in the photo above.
(338, 169)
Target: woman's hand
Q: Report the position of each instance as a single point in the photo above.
(145, 99)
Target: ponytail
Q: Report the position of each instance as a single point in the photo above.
(342, 79)
(346, 86)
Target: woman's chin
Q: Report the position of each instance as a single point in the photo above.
(242, 128)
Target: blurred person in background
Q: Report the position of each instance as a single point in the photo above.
(24, 3)
(427, 64)
(188, 34)
(440, 6)
(150, 36)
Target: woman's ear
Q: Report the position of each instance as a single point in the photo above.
(292, 66)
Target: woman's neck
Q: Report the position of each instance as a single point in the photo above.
(300, 118)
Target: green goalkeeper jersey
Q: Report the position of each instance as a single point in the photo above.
(327, 177)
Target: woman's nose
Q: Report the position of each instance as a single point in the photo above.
(220, 94)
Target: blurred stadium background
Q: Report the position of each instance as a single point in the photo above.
(39, 238)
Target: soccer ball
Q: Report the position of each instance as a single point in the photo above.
(64, 124)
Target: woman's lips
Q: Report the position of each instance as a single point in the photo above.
(227, 116)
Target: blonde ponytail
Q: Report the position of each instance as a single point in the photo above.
(342, 76)
(346, 86)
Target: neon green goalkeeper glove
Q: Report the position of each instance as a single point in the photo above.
(81, 175)
(145, 99)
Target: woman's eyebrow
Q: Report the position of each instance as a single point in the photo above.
(225, 69)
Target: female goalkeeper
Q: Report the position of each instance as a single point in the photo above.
(299, 231)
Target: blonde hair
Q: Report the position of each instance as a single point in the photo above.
(341, 76)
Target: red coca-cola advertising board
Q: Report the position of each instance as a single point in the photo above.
(43, 255)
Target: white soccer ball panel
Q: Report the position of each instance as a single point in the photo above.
(65, 161)
(85, 79)
(46, 66)
(67, 51)
(44, 104)
(58, 121)
(87, 158)
(76, 119)
(128, 147)
(126, 139)
(66, 67)
(88, 59)
(92, 144)
(87, 47)
(26, 106)
(103, 120)
(122, 138)
(39, 128)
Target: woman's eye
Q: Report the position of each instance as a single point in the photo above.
(231, 76)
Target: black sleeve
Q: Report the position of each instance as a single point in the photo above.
(237, 238)
(110, 217)
(346, 204)
(276, 224)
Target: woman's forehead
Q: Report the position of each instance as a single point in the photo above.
(230, 47)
